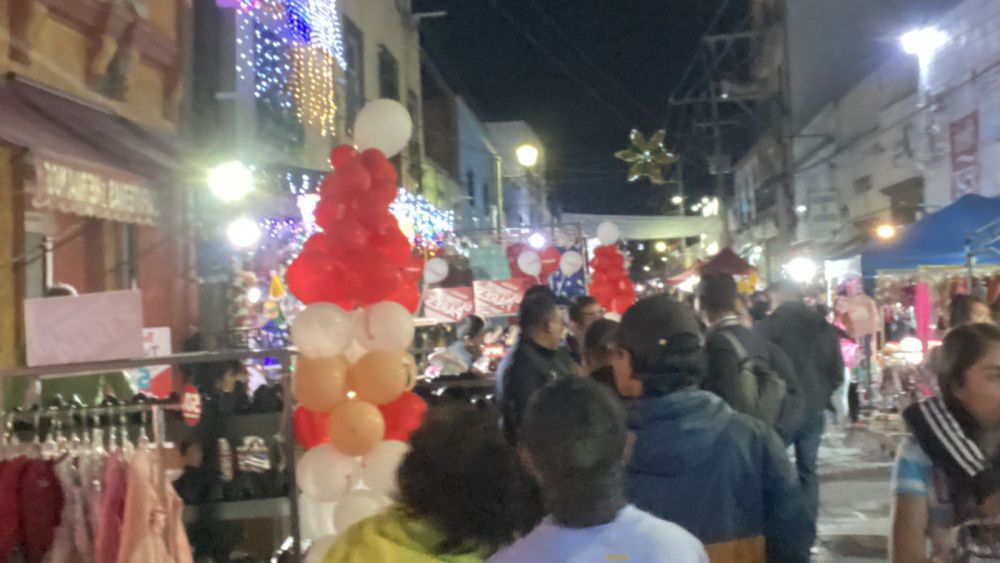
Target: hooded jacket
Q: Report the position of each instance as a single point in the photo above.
(720, 474)
(393, 536)
(813, 346)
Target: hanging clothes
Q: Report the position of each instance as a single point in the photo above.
(110, 511)
(40, 503)
(153, 531)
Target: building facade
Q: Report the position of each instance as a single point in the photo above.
(93, 195)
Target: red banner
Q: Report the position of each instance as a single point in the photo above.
(495, 298)
(448, 305)
(965, 156)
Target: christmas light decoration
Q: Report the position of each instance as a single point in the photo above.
(326, 33)
(314, 87)
(428, 224)
(647, 158)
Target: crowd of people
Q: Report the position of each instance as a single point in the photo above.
(665, 436)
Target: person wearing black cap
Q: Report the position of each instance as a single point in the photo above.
(538, 360)
(721, 475)
(813, 346)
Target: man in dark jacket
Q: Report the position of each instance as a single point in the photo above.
(538, 360)
(721, 475)
(813, 346)
(717, 300)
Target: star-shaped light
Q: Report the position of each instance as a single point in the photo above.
(647, 158)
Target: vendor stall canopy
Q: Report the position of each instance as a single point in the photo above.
(939, 239)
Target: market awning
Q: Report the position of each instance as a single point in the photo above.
(727, 262)
(646, 227)
(88, 161)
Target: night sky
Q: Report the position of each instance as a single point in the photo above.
(582, 73)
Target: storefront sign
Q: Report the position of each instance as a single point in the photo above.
(965, 156)
(87, 328)
(73, 189)
(448, 305)
(497, 298)
(155, 380)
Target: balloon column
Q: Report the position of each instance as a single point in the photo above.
(353, 378)
(609, 283)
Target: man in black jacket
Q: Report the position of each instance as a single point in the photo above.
(717, 300)
(538, 360)
(813, 346)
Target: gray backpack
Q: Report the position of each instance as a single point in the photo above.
(761, 391)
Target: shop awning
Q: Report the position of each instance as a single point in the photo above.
(727, 262)
(936, 240)
(88, 161)
(647, 227)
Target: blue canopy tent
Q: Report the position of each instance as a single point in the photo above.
(942, 238)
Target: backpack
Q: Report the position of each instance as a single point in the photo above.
(762, 391)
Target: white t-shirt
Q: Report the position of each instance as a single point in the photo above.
(633, 535)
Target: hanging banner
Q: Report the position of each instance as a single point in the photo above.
(85, 328)
(448, 305)
(965, 156)
(155, 380)
(498, 298)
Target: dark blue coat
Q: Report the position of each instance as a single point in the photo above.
(721, 475)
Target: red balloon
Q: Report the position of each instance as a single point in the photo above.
(317, 244)
(370, 208)
(394, 244)
(310, 427)
(605, 251)
(407, 294)
(403, 416)
(617, 261)
(381, 278)
(351, 178)
(305, 279)
(373, 159)
(347, 236)
(328, 212)
(621, 303)
(376, 220)
(550, 260)
(386, 173)
(385, 193)
(413, 269)
(342, 154)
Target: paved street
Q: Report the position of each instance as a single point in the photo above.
(855, 501)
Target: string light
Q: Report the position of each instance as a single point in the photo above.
(314, 87)
(427, 224)
(326, 33)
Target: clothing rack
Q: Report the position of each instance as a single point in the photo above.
(283, 355)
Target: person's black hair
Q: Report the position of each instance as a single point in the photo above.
(539, 290)
(575, 433)
(463, 477)
(578, 306)
(535, 311)
(718, 294)
(760, 305)
(60, 290)
(681, 364)
(962, 347)
(471, 326)
(823, 310)
(787, 288)
(960, 309)
(599, 339)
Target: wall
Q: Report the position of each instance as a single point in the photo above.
(524, 190)
(477, 165)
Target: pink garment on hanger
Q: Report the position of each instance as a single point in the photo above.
(922, 310)
(110, 511)
(63, 547)
(153, 531)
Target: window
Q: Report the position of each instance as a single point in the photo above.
(388, 74)
(863, 185)
(354, 55)
(413, 148)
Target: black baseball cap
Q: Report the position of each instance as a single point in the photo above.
(657, 324)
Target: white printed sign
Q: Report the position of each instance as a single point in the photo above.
(154, 380)
(87, 328)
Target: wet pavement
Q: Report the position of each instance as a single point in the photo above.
(855, 497)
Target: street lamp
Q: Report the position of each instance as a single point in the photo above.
(677, 200)
(243, 233)
(923, 41)
(230, 181)
(527, 155)
(801, 269)
(660, 246)
(885, 231)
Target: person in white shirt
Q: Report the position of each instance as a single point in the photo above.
(574, 444)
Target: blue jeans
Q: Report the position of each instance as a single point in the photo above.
(806, 445)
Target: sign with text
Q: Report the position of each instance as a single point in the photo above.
(448, 305)
(155, 380)
(73, 188)
(498, 298)
(86, 328)
(965, 156)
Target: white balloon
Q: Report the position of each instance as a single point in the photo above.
(378, 470)
(435, 270)
(324, 474)
(608, 233)
(322, 330)
(529, 263)
(354, 352)
(571, 262)
(384, 125)
(356, 506)
(384, 326)
(316, 518)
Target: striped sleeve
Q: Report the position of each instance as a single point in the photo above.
(912, 471)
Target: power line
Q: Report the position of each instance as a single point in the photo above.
(560, 65)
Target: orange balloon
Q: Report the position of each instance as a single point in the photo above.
(320, 383)
(380, 377)
(355, 427)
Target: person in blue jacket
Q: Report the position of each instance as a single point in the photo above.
(722, 475)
